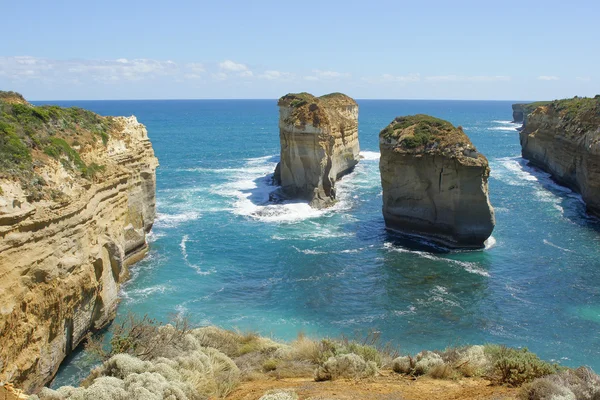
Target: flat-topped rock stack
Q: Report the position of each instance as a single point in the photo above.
(435, 182)
(319, 145)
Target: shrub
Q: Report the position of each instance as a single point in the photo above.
(345, 366)
(516, 366)
(579, 384)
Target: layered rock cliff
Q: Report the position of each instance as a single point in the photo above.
(563, 138)
(319, 144)
(77, 197)
(435, 183)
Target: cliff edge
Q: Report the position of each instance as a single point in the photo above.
(435, 182)
(319, 144)
(77, 197)
(562, 137)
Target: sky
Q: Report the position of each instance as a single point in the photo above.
(375, 49)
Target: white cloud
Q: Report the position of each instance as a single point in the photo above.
(220, 76)
(276, 75)
(462, 78)
(584, 79)
(548, 78)
(389, 78)
(326, 75)
(229, 65)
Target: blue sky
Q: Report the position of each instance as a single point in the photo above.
(512, 50)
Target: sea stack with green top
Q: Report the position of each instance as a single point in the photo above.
(319, 145)
(435, 182)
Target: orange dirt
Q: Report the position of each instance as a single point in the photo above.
(388, 386)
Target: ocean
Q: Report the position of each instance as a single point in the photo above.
(221, 255)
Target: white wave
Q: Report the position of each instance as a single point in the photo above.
(370, 155)
(510, 170)
(503, 128)
(410, 310)
(507, 123)
(248, 190)
(184, 253)
(309, 251)
(546, 242)
(471, 267)
(153, 236)
(137, 295)
(490, 242)
(173, 220)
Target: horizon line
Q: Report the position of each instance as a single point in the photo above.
(274, 99)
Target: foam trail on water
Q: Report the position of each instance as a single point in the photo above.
(471, 267)
(546, 242)
(173, 220)
(184, 253)
(502, 128)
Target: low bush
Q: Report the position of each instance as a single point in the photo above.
(515, 367)
(579, 384)
(345, 366)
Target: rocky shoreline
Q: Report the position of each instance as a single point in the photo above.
(562, 137)
(68, 238)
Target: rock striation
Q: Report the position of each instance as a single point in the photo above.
(562, 137)
(319, 145)
(77, 197)
(435, 182)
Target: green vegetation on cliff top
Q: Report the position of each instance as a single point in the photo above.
(30, 134)
(582, 111)
(424, 132)
(317, 111)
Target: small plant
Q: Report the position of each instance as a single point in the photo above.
(515, 367)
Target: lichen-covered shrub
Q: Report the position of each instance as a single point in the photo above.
(579, 384)
(345, 366)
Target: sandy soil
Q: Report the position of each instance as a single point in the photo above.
(388, 386)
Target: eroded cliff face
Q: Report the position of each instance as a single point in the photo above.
(64, 254)
(319, 144)
(435, 183)
(563, 138)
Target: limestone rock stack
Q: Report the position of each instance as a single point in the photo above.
(319, 144)
(435, 183)
(563, 138)
(67, 240)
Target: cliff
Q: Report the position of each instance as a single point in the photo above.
(77, 197)
(563, 138)
(521, 110)
(319, 144)
(435, 183)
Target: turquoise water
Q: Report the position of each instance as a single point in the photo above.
(220, 255)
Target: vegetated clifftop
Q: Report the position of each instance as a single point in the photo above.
(521, 110)
(77, 197)
(319, 144)
(435, 182)
(562, 137)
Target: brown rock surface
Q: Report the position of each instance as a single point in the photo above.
(62, 258)
(563, 138)
(319, 144)
(435, 183)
